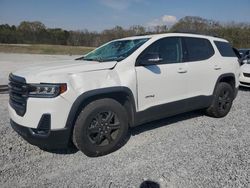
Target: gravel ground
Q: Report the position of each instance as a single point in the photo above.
(188, 150)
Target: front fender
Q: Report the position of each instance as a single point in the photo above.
(86, 97)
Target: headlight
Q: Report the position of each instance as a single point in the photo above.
(46, 90)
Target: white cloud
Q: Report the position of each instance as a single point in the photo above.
(169, 19)
(164, 20)
(119, 4)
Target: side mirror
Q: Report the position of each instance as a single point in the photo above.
(150, 59)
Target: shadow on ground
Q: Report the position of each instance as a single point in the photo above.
(66, 151)
(244, 88)
(4, 89)
(149, 184)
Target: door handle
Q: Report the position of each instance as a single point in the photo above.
(181, 70)
(216, 67)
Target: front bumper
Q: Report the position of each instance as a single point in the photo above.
(244, 81)
(53, 139)
(245, 84)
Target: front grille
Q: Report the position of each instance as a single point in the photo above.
(246, 74)
(18, 92)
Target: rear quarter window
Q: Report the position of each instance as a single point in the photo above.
(225, 49)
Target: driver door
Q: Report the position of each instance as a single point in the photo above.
(162, 81)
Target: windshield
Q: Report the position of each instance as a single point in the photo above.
(115, 51)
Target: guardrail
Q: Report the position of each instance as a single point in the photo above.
(4, 89)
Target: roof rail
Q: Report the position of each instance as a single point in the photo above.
(197, 33)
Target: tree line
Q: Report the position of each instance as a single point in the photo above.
(37, 33)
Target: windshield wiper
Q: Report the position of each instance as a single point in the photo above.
(80, 58)
(120, 58)
(100, 59)
(88, 59)
(93, 59)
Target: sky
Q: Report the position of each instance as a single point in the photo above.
(97, 15)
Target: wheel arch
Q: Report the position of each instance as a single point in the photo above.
(228, 78)
(121, 94)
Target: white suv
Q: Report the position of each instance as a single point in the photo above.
(93, 100)
(245, 72)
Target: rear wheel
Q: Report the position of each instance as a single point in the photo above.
(222, 101)
(101, 127)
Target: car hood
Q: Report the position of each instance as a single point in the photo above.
(62, 68)
(245, 68)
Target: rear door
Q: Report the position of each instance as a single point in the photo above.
(203, 69)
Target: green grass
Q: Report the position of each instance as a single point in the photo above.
(44, 49)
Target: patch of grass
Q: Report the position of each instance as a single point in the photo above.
(44, 49)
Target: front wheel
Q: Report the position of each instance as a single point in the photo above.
(222, 100)
(101, 127)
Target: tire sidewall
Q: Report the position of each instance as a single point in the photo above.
(84, 119)
(220, 88)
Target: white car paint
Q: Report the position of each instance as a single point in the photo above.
(245, 75)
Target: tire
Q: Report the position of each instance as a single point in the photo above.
(101, 128)
(222, 101)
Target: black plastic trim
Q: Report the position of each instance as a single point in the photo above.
(223, 76)
(17, 78)
(172, 108)
(45, 122)
(55, 139)
(18, 94)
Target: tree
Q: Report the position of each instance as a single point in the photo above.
(195, 25)
(36, 32)
(32, 32)
(31, 27)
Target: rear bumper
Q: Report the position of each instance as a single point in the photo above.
(53, 139)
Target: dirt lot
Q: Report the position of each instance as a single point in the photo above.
(44, 49)
(189, 150)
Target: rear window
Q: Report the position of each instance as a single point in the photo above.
(198, 49)
(225, 49)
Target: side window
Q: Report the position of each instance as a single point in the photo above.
(168, 49)
(198, 49)
(225, 49)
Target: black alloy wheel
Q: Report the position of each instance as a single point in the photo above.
(224, 100)
(104, 128)
(101, 127)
